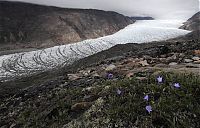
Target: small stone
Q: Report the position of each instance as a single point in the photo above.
(172, 58)
(63, 85)
(110, 67)
(163, 56)
(81, 106)
(141, 78)
(107, 87)
(197, 62)
(169, 59)
(73, 76)
(163, 60)
(129, 75)
(175, 56)
(138, 60)
(13, 126)
(188, 60)
(146, 57)
(84, 72)
(96, 76)
(143, 63)
(89, 89)
(196, 58)
(181, 55)
(173, 64)
(197, 52)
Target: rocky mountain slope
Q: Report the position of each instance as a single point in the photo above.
(26, 25)
(193, 23)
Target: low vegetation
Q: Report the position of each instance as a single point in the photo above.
(172, 106)
(174, 102)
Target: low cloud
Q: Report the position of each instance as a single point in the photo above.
(162, 9)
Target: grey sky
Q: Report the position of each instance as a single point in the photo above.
(156, 8)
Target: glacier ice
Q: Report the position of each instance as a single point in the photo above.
(27, 63)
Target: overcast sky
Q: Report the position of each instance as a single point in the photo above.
(166, 9)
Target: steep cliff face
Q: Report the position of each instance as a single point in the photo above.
(26, 25)
(193, 23)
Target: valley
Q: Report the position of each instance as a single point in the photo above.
(27, 63)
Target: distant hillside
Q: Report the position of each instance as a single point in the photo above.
(193, 23)
(26, 25)
(142, 18)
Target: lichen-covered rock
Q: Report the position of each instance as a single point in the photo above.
(110, 67)
(188, 60)
(144, 63)
(196, 58)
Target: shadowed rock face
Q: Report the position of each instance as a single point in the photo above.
(193, 23)
(26, 25)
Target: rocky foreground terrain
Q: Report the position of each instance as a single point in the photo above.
(26, 25)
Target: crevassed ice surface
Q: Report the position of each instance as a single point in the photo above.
(27, 63)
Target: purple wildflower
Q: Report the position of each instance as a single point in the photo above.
(149, 108)
(110, 76)
(146, 97)
(119, 91)
(159, 79)
(177, 85)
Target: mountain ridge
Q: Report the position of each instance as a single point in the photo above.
(25, 25)
(192, 23)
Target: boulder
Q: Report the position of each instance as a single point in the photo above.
(197, 52)
(143, 63)
(196, 58)
(110, 67)
(173, 64)
(197, 62)
(129, 75)
(188, 60)
(73, 76)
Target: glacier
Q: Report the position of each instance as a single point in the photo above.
(28, 63)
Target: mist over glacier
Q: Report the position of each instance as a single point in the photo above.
(27, 63)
